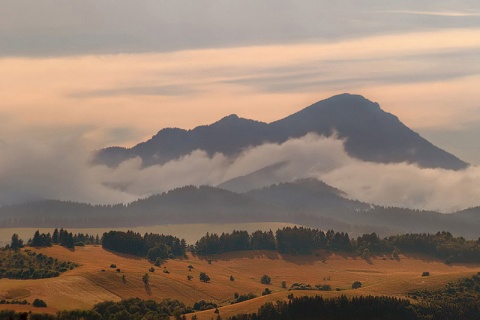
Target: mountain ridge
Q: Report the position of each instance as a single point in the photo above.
(307, 202)
(370, 134)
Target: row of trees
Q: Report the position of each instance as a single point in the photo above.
(302, 240)
(61, 237)
(287, 240)
(235, 241)
(151, 245)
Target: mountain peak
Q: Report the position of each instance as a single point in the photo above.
(370, 134)
(347, 101)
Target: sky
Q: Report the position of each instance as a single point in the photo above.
(116, 72)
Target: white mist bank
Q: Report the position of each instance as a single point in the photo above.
(61, 170)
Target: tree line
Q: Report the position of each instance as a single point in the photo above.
(61, 237)
(301, 240)
(150, 244)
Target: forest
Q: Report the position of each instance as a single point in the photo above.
(150, 245)
(301, 240)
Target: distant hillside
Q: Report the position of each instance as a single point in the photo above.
(371, 134)
(258, 179)
(305, 195)
(308, 202)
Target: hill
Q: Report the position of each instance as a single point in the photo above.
(371, 134)
(86, 285)
(307, 202)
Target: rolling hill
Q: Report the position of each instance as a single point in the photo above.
(87, 285)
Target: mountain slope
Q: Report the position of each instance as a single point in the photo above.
(371, 134)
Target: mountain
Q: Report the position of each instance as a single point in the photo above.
(307, 202)
(371, 134)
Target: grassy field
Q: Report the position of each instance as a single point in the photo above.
(94, 281)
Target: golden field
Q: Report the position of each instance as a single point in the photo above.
(94, 281)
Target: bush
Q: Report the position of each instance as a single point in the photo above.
(39, 303)
(118, 270)
(158, 262)
(324, 287)
(146, 279)
(204, 277)
(244, 297)
(284, 284)
(425, 274)
(189, 277)
(152, 269)
(161, 251)
(113, 266)
(356, 285)
(266, 291)
(265, 279)
(232, 278)
(204, 305)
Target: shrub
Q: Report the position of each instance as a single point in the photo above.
(324, 287)
(204, 277)
(118, 270)
(284, 284)
(232, 278)
(161, 251)
(245, 297)
(113, 266)
(266, 291)
(152, 269)
(39, 303)
(265, 279)
(204, 305)
(425, 274)
(146, 279)
(189, 277)
(356, 285)
(158, 262)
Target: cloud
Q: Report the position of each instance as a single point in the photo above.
(57, 28)
(166, 90)
(61, 170)
(452, 14)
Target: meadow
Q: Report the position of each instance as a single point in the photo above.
(96, 281)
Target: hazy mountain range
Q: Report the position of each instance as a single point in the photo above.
(369, 134)
(308, 201)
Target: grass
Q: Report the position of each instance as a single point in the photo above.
(87, 285)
